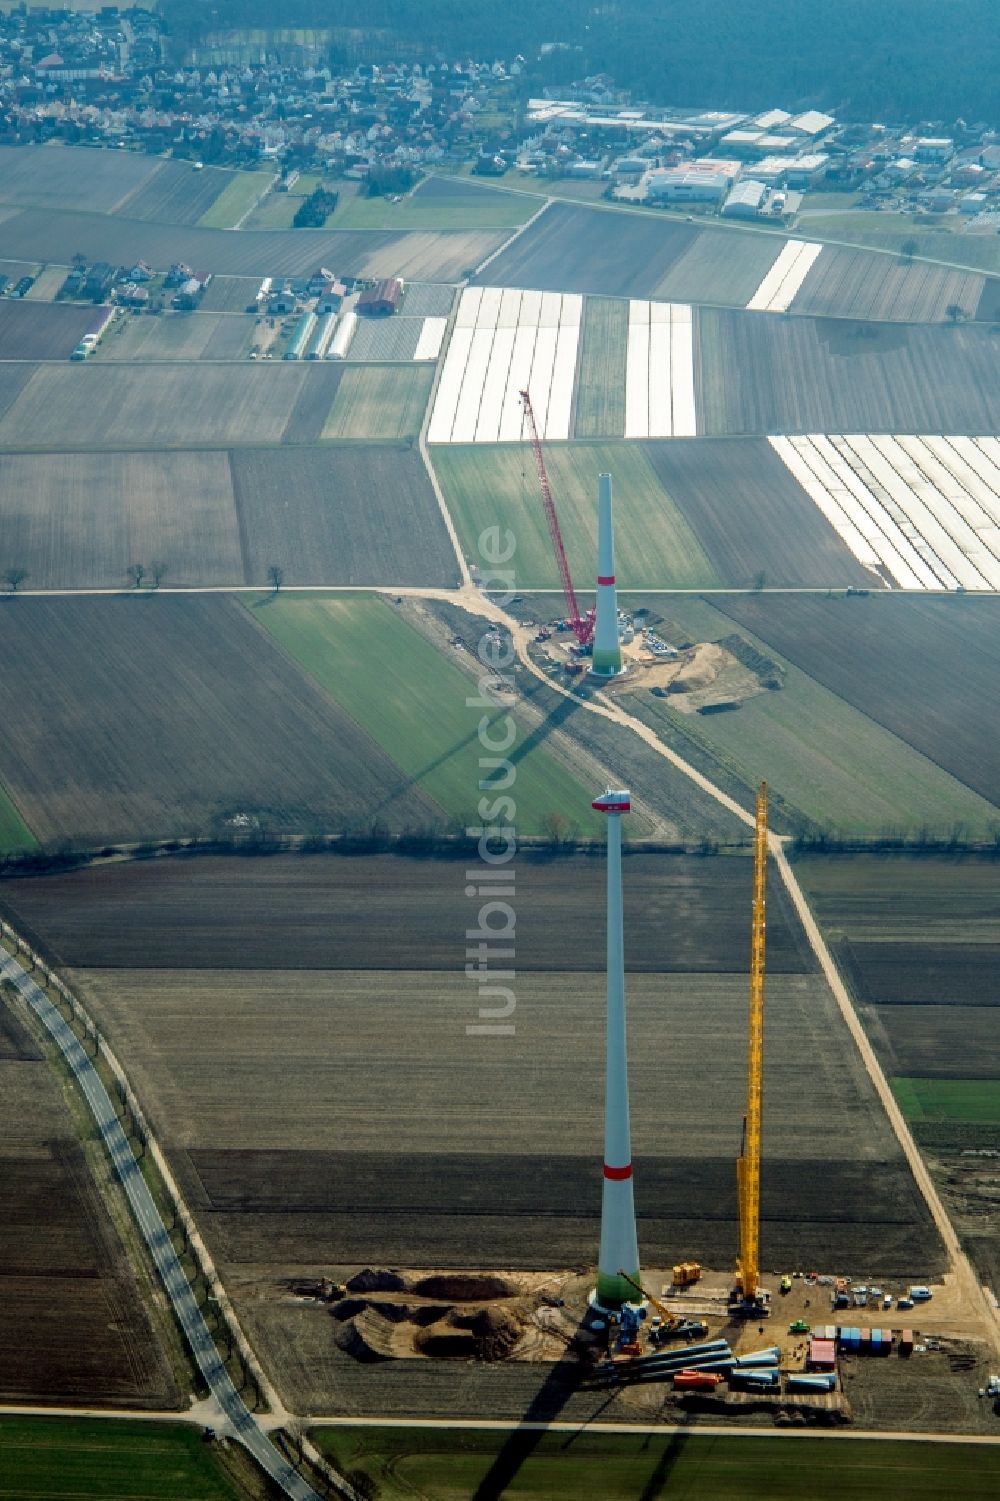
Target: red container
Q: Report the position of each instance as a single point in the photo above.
(822, 1355)
(698, 1381)
(906, 1342)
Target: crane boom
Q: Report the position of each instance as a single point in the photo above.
(661, 1308)
(748, 1165)
(582, 628)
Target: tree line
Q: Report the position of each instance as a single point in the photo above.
(894, 60)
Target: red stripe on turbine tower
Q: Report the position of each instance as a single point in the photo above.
(609, 579)
(617, 1174)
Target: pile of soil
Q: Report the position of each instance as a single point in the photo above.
(368, 1337)
(496, 1332)
(373, 1280)
(464, 1287)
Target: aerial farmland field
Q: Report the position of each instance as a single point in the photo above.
(655, 547)
(437, 203)
(335, 639)
(317, 912)
(754, 521)
(128, 1461)
(56, 235)
(721, 265)
(72, 1324)
(600, 393)
(239, 194)
(857, 284)
(377, 401)
(229, 294)
(179, 336)
(606, 253)
(923, 667)
(104, 406)
(79, 520)
(617, 1467)
(144, 717)
(66, 177)
(357, 515)
(177, 194)
(790, 375)
(829, 766)
(41, 331)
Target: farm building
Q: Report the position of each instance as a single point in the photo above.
(301, 337)
(381, 300)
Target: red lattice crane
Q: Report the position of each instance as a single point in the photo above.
(581, 626)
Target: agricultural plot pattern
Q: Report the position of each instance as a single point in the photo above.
(924, 512)
(506, 341)
(659, 371)
(781, 283)
(395, 339)
(857, 284)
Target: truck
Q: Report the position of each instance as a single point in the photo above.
(920, 1294)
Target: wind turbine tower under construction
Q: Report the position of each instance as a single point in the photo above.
(619, 1245)
(607, 652)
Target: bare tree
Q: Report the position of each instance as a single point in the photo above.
(908, 249)
(14, 578)
(276, 577)
(137, 572)
(955, 311)
(157, 570)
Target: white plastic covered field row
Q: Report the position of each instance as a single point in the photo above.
(659, 371)
(506, 341)
(782, 282)
(924, 511)
(431, 339)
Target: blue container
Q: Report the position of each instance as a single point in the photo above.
(753, 1378)
(820, 1382)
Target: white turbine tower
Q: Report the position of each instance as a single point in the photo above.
(619, 1245)
(607, 656)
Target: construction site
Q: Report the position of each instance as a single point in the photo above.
(789, 1344)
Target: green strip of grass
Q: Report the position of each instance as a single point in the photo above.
(237, 197)
(42, 1459)
(412, 700)
(487, 485)
(452, 1466)
(14, 832)
(928, 1100)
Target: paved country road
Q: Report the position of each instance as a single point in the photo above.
(244, 1425)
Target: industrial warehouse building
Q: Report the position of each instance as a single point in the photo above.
(381, 300)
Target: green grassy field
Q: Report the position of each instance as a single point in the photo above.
(45, 1459)
(981, 252)
(421, 1465)
(237, 197)
(412, 700)
(974, 1100)
(14, 832)
(379, 401)
(600, 397)
(278, 210)
(825, 759)
(489, 211)
(486, 485)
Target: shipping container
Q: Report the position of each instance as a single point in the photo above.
(822, 1354)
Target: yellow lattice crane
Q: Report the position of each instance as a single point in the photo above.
(748, 1290)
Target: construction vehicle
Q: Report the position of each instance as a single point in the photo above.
(686, 1272)
(749, 1298)
(667, 1325)
(582, 626)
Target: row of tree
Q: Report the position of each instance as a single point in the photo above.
(870, 59)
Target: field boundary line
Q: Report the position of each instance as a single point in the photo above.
(465, 578)
(248, 1429)
(268, 188)
(508, 242)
